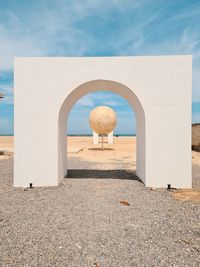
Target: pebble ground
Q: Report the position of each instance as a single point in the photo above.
(82, 223)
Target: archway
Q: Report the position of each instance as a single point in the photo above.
(158, 88)
(97, 85)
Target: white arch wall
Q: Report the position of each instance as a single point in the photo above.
(162, 85)
(120, 89)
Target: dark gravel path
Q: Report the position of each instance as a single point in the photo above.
(81, 223)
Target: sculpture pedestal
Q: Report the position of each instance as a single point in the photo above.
(96, 138)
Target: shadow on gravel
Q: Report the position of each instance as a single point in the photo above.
(103, 174)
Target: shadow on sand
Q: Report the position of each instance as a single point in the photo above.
(103, 174)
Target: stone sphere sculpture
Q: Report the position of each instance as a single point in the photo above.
(103, 120)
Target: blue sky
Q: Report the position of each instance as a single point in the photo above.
(96, 28)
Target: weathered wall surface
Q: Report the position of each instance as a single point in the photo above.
(196, 137)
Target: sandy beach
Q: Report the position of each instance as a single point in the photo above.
(6, 141)
(82, 154)
(83, 221)
(120, 155)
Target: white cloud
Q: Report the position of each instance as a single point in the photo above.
(6, 89)
(52, 30)
(8, 94)
(101, 98)
(112, 103)
(86, 101)
(62, 30)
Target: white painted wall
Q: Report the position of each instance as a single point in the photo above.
(158, 88)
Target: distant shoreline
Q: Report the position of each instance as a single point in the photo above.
(79, 135)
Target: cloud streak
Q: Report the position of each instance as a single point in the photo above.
(102, 98)
(98, 28)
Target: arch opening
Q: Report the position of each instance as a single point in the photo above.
(94, 86)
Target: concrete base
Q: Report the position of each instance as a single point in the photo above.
(96, 138)
(110, 138)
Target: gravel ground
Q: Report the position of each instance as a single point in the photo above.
(81, 223)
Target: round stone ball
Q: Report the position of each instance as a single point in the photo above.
(103, 120)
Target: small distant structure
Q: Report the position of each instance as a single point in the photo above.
(196, 137)
(102, 121)
(96, 138)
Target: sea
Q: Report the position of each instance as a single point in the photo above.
(80, 135)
